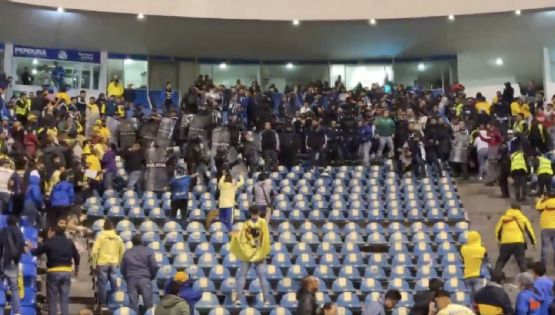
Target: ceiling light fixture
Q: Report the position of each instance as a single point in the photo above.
(35, 61)
(60, 10)
(289, 65)
(223, 65)
(140, 16)
(372, 21)
(518, 12)
(296, 22)
(421, 67)
(451, 17)
(34, 71)
(499, 61)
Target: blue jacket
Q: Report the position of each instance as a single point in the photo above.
(545, 285)
(365, 133)
(62, 194)
(180, 187)
(138, 262)
(33, 193)
(187, 292)
(529, 302)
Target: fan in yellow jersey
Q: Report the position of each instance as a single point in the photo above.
(251, 245)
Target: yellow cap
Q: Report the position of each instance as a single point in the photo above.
(181, 276)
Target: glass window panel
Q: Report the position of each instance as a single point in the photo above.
(290, 76)
(367, 74)
(229, 75)
(135, 72)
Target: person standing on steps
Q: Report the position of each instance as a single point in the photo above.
(228, 188)
(546, 207)
(519, 174)
(511, 231)
(11, 248)
(59, 251)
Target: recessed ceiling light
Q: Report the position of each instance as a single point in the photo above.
(140, 16)
(35, 61)
(499, 61)
(518, 12)
(223, 65)
(372, 21)
(34, 71)
(60, 10)
(128, 61)
(451, 17)
(296, 22)
(421, 67)
(289, 65)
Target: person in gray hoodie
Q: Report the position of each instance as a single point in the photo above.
(385, 303)
(138, 268)
(171, 303)
(263, 195)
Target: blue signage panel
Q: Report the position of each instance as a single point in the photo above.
(56, 54)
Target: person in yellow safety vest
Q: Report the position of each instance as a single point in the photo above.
(473, 255)
(519, 107)
(21, 109)
(519, 174)
(544, 170)
(510, 231)
(520, 126)
(546, 206)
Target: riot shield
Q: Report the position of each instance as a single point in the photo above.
(199, 125)
(165, 132)
(147, 133)
(127, 134)
(156, 176)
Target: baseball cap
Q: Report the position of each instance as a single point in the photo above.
(181, 276)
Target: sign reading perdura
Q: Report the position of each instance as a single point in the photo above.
(56, 54)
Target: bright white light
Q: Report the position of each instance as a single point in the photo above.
(223, 65)
(34, 71)
(140, 16)
(499, 61)
(296, 22)
(517, 12)
(289, 65)
(60, 10)
(421, 67)
(35, 62)
(128, 61)
(451, 17)
(372, 21)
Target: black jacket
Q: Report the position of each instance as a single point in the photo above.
(422, 301)
(307, 302)
(494, 295)
(13, 235)
(134, 160)
(59, 251)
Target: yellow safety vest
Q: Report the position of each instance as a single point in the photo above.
(518, 126)
(518, 162)
(545, 166)
(21, 110)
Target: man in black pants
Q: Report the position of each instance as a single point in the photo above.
(504, 171)
(180, 185)
(510, 232)
(519, 174)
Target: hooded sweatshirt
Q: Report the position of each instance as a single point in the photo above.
(511, 227)
(108, 249)
(227, 192)
(547, 210)
(187, 292)
(33, 193)
(172, 305)
(545, 286)
(473, 254)
(529, 301)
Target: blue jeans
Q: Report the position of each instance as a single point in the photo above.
(30, 211)
(226, 217)
(142, 287)
(260, 268)
(10, 274)
(57, 290)
(548, 239)
(474, 284)
(104, 273)
(108, 180)
(134, 181)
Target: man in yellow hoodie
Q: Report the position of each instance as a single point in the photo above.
(115, 88)
(510, 232)
(106, 255)
(93, 169)
(228, 187)
(474, 255)
(546, 207)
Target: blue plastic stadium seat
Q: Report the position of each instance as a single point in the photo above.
(273, 273)
(178, 248)
(195, 272)
(287, 238)
(398, 284)
(374, 227)
(282, 260)
(196, 238)
(280, 311)
(219, 311)
(172, 238)
(124, 311)
(310, 238)
(420, 236)
(183, 260)
(330, 260)
(149, 226)
(316, 216)
(333, 238)
(354, 259)
(136, 213)
(204, 285)
(204, 248)
(330, 227)
(118, 299)
(378, 259)
(352, 227)
(208, 301)
(217, 227)
(421, 247)
(370, 285)
(95, 211)
(306, 227)
(219, 273)
(227, 286)
(207, 260)
(230, 261)
(348, 300)
(326, 248)
(350, 248)
(397, 248)
(287, 285)
(287, 227)
(342, 285)
(306, 260)
(219, 238)
(296, 272)
(452, 271)
(149, 237)
(301, 248)
(160, 258)
(324, 272)
(400, 271)
(454, 284)
(461, 298)
(374, 272)
(289, 301)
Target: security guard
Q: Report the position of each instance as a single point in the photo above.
(520, 126)
(519, 174)
(22, 108)
(510, 231)
(546, 206)
(544, 170)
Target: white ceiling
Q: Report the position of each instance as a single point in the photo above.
(286, 10)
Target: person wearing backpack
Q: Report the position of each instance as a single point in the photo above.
(106, 256)
(11, 247)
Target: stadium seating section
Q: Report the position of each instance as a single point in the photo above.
(329, 223)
